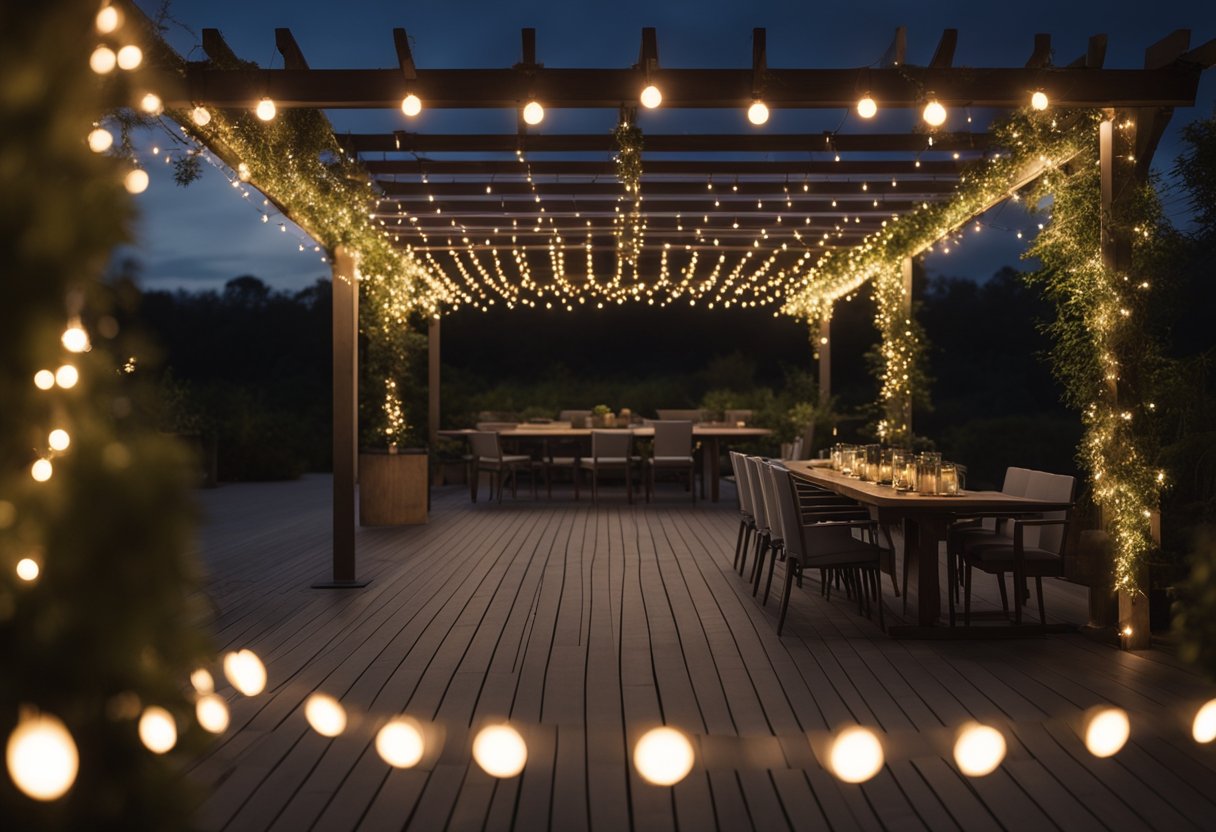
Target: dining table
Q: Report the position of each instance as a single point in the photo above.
(925, 520)
(710, 434)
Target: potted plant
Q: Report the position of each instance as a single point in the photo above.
(601, 416)
(394, 480)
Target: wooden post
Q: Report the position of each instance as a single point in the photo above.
(905, 309)
(432, 382)
(824, 350)
(346, 417)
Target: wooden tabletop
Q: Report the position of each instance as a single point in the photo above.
(527, 431)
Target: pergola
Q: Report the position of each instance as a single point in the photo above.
(746, 218)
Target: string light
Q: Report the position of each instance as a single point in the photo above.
(59, 440)
(757, 113)
(325, 714)
(1038, 100)
(129, 57)
(136, 181)
(157, 730)
(100, 140)
(400, 743)
(151, 104)
(41, 756)
(1107, 731)
(44, 379)
(534, 113)
(651, 97)
(978, 750)
(867, 107)
(265, 109)
(103, 60)
(202, 681)
(855, 755)
(41, 470)
(411, 105)
(1203, 728)
(934, 113)
(108, 19)
(211, 711)
(500, 751)
(67, 376)
(201, 116)
(75, 339)
(245, 672)
(663, 756)
(28, 570)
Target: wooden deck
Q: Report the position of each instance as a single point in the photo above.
(586, 626)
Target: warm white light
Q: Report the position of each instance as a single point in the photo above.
(28, 569)
(107, 20)
(212, 713)
(41, 757)
(75, 339)
(411, 105)
(67, 376)
(243, 172)
(44, 379)
(500, 751)
(200, 116)
(245, 671)
(103, 60)
(130, 56)
(534, 113)
(41, 470)
(663, 756)
(651, 97)
(934, 114)
(151, 104)
(59, 440)
(157, 730)
(136, 182)
(1039, 100)
(978, 750)
(325, 714)
(757, 113)
(867, 107)
(202, 682)
(1203, 729)
(100, 140)
(1107, 732)
(400, 743)
(856, 755)
(265, 109)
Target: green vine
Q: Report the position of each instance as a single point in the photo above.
(631, 227)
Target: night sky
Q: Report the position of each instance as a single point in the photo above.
(203, 235)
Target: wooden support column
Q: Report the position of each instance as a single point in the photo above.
(346, 418)
(905, 309)
(432, 381)
(1117, 165)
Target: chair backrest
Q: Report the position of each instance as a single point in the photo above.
(769, 471)
(1059, 489)
(497, 426)
(571, 415)
(753, 463)
(1016, 480)
(805, 543)
(485, 445)
(611, 444)
(734, 416)
(682, 415)
(796, 448)
(672, 438)
(738, 465)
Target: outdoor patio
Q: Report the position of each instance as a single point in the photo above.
(587, 626)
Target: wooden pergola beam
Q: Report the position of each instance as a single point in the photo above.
(525, 207)
(1094, 57)
(698, 88)
(293, 56)
(1041, 56)
(749, 191)
(405, 142)
(700, 170)
(943, 56)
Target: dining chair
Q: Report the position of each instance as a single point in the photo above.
(488, 457)
(751, 468)
(825, 541)
(1036, 548)
(747, 520)
(611, 450)
(559, 454)
(670, 415)
(673, 451)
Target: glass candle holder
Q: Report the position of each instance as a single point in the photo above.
(903, 470)
(928, 473)
(885, 467)
(947, 482)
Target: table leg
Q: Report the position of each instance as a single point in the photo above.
(930, 531)
(711, 469)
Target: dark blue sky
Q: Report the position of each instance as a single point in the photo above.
(203, 235)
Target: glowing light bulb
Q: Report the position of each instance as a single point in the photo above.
(67, 376)
(44, 379)
(325, 714)
(59, 440)
(41, 470)
(534, 113)
(663, 756)
(103, 60)
(500, 751)
(978, 750)
(934, 114)
(75, 339)
(245, 671)
(136, 182)
(757, 114)
(265, 109)
(400, 743)
(211, 711)
(151, 104)
(41, 756)
(651, 97)
(1038, 100)
(107, 20)
(100, 140)
(130, 57)
(28, 569)
(200, 116)
(202, 682)
(1107, 731)
(157, 730)
(1203, 729)
(867, 107)
(411, 105)
(243, 172)
(856, 755)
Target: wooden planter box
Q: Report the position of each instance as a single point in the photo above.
(393, 488)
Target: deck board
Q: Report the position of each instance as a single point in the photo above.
(587, 625)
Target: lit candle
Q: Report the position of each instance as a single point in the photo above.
(910, 476)
(884, 472)
(949, 480)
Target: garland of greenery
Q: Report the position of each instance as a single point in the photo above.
(900, 356)
(99, 609)
(630, 228)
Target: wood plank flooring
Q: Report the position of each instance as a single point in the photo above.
(587, 625)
